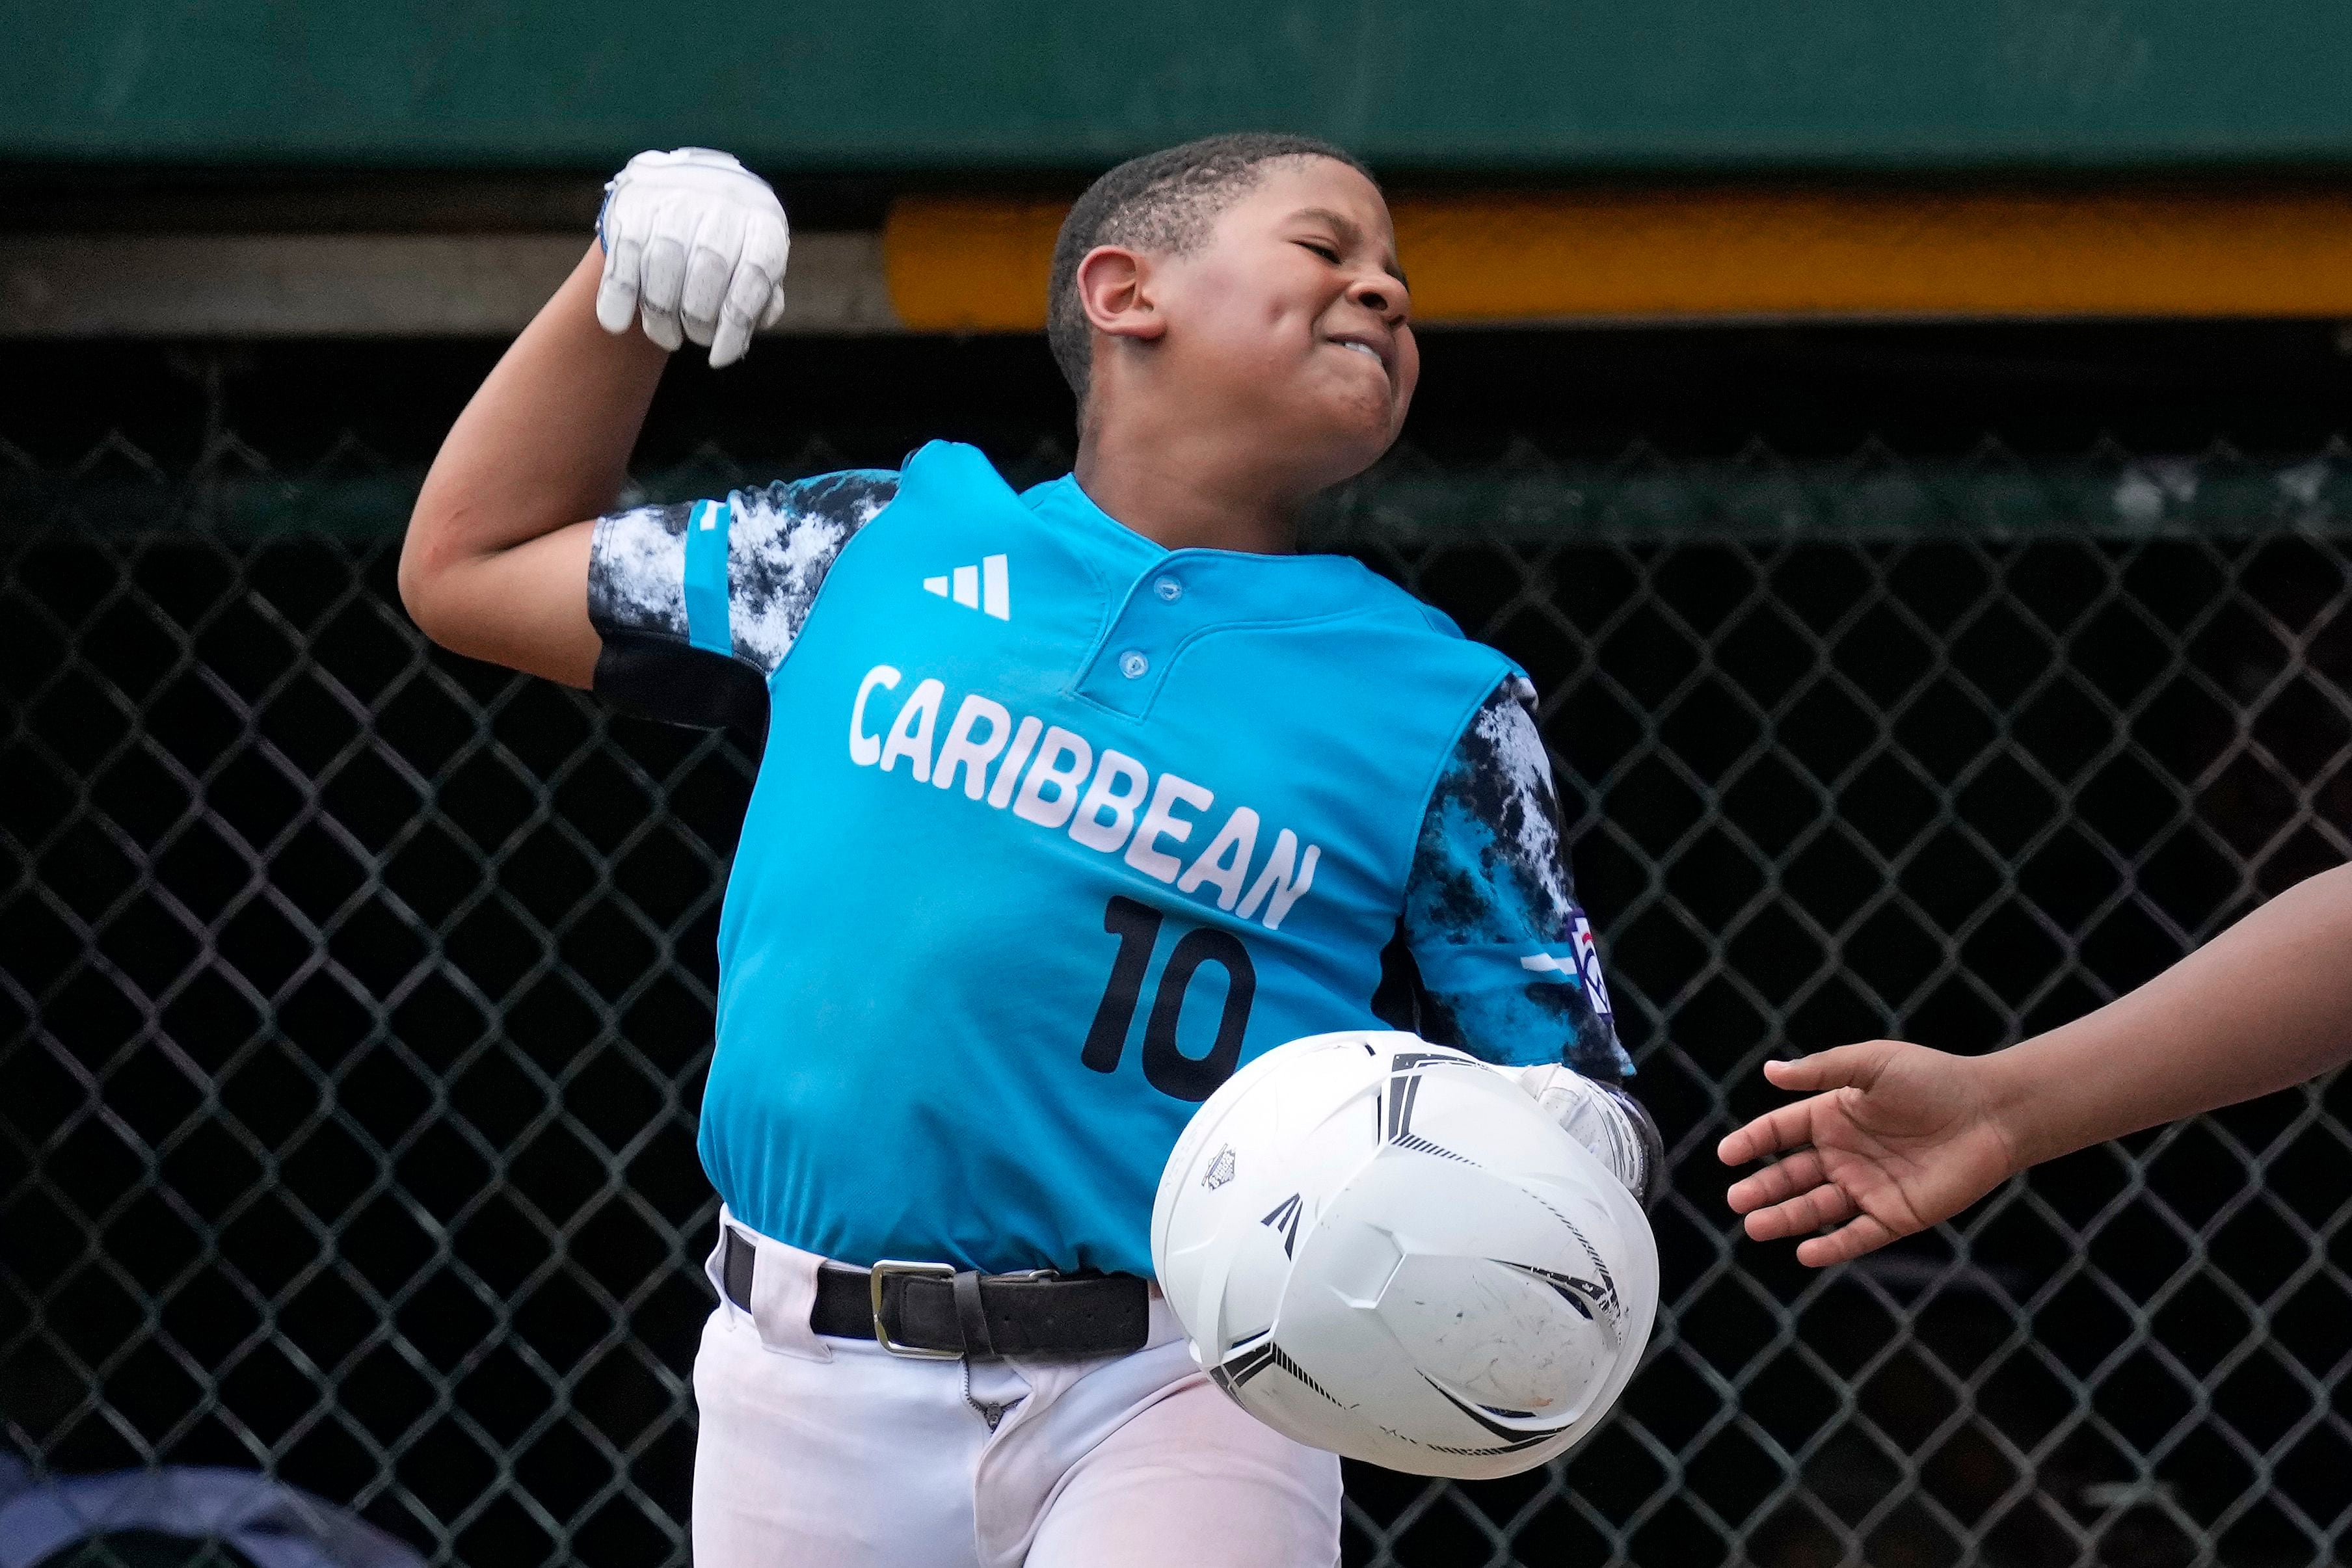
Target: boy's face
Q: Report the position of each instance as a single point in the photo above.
(1291, 320)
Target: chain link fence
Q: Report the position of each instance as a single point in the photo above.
(357, 1000)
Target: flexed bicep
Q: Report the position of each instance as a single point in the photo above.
(495, 563)
(525, 606)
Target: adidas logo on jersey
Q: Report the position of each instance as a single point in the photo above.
(987, 588)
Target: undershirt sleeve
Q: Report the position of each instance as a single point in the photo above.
(1504, 959)
(697, 602)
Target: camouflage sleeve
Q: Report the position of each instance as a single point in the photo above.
(1506, 967)
(697, 602)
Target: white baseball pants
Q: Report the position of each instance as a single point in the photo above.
(831, 1453)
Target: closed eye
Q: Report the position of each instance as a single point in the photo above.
(1325, 251)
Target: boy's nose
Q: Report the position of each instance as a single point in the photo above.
(1382, 296)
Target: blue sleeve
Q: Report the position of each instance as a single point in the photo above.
(697, 602)
(1507, 969)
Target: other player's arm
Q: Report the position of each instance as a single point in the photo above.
(1504, 960)
(495, 561)
(1897, 1137)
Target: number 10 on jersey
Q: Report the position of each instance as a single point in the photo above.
(1168, 1068)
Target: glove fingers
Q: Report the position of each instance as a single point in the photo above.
(664, 280)
(711, 263)
(616, 291)
(765, 249)
(755, 296)
(733, 339)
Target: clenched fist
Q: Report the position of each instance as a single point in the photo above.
(694, 246)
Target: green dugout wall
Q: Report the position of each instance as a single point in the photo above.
(912, 85)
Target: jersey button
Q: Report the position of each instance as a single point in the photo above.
(1169, 589)
(1132, 664)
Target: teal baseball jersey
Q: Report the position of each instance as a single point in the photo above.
(1054, 829)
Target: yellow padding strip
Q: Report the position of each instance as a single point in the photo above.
(1804, 253)
(980, 265)
(958, 264)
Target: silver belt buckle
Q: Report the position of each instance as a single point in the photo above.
(882, 1270)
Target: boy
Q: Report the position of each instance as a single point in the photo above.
(1071, 801)
(1897, 1137)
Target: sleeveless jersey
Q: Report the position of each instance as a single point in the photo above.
(1054, 829)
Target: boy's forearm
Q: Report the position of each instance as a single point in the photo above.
(2267, 1004)
(545, 442)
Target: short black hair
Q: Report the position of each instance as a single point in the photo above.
(1164, 201)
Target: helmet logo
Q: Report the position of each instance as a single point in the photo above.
(1284, 1219)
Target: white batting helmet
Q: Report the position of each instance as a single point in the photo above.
(1381, 1248)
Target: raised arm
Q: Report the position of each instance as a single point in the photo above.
(1897, 1137)
(495, 561)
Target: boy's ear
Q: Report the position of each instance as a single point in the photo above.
(1115, 289)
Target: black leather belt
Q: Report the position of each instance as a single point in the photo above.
(931, 1311)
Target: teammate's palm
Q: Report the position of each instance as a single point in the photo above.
(1899, 1137)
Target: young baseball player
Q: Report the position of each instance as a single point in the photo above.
(1898, 1137)
(1070, 800)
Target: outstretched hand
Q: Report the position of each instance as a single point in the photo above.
(1895, 1138)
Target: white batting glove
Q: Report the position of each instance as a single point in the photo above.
(695, 246)
(1604, 1119)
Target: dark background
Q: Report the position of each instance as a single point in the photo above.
(1921, 391)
